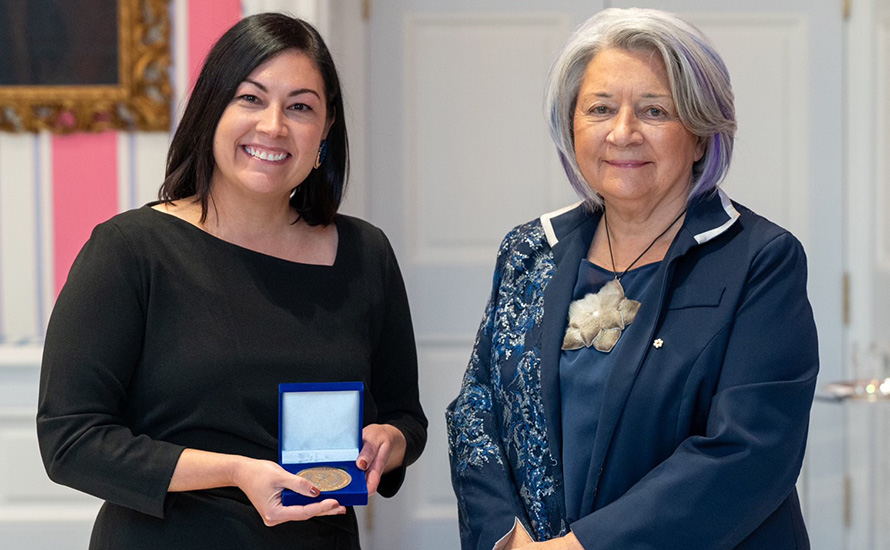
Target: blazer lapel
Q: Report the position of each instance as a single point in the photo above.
(632, 349)
(707, 218)
(567, 254)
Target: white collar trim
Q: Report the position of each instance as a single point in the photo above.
(701, 238)
(552, 239)
(730, 210)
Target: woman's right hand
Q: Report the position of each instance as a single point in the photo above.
(263, 482)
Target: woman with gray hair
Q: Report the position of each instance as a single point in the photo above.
(645, 367)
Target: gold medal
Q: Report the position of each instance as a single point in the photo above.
(326, 478)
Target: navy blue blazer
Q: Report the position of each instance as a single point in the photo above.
(701, 436)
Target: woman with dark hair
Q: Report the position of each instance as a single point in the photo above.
(178, 321)
(644, 371)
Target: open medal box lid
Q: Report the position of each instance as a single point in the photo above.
(320, 425)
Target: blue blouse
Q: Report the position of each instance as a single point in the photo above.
(583, 374)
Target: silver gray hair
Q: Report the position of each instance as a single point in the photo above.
(698, 79)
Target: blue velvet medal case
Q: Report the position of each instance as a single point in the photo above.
(320, 424)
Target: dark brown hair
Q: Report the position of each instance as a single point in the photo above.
(245, 46)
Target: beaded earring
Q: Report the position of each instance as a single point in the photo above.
(322, 151)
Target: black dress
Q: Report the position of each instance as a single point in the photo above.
(165, 337)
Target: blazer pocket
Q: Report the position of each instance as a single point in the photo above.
(696, 296)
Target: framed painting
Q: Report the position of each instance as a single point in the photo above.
(84, 65)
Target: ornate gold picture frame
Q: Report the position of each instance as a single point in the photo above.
(140, 100)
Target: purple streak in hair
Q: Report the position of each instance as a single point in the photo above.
(580, 186)
(713, 168)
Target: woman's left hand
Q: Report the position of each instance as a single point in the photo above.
(383, 449)
(568, 542)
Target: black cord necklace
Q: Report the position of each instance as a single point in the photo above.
(609, 240)
(599, 318)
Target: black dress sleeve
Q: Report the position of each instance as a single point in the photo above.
(394, 385)
(93, 346)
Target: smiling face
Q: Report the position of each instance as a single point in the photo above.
(630, 144)
(267, 138)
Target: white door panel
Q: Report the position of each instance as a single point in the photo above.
(35, 513)
(868, 241)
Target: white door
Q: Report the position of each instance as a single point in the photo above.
(458, 153)
(868, 200)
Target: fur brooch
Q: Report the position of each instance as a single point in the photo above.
(598, 318)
